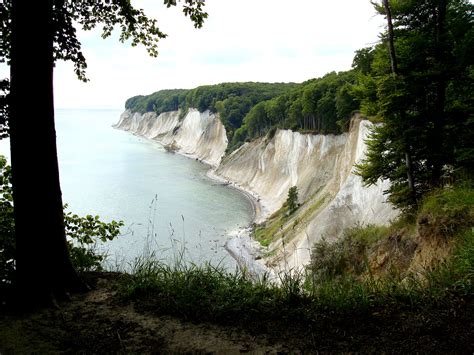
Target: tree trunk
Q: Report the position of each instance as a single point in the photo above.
(42, 261)
(391, 37)
(437, 140)
(394, 67)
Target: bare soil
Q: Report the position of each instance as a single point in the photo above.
(98, 322)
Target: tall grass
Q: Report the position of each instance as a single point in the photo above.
(203, 292)
(208, 293)
(338, 282)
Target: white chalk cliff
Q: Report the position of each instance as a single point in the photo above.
(332, 197)
(198, 135)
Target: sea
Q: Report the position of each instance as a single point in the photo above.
(171, 210)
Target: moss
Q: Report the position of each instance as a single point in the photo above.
(309, 212)
(277, 224)
(267, 232)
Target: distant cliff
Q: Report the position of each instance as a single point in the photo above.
(331, 196)
(199, 135)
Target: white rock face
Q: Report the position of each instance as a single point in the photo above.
(353, 203)
(321, 166)
(199, 135)
(269, 169)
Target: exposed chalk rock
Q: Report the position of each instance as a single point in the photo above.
(321, 166)
(198, 135)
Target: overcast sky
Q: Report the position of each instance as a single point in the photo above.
(242, 40)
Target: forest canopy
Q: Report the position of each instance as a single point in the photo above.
(231, 100)
(250, 110)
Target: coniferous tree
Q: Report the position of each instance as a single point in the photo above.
(423, 104)
(292, 200)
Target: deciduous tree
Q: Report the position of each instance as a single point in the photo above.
(35, 34)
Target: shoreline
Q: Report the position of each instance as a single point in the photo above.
(254, 199)
(245, 250)
(241, 246)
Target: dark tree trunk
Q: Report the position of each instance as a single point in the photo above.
(42, 261)
(439, 107)
(391, 37)
(394, 67)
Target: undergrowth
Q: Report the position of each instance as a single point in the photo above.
(338, 280)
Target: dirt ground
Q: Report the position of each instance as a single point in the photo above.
(96, 322)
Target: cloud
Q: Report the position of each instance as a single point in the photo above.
(242, 40)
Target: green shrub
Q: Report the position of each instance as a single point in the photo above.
(83, 233)
(448, 210)
(7, 241)
(346, 256)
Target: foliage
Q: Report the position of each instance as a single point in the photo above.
(426, 106)
(461, 266)
(204, 293)
(292, 200)
(208, 293)
(134, 26)
(43, 264)
(7, 226)
(322, 105)
(231, 100)
(267, 232)
(449, 210)
(4, 90)
(337, 282)
(251, 110)
(346, 256)
(445, 215)
(58, 41)
(83, 233)
(161, 101)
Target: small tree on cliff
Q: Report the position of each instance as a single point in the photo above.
(292, 200)
(43, 265)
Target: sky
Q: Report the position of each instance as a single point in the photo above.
(242, 40)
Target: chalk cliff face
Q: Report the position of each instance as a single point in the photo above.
(322, 167)
(332, 197)
(198, 135)
(270, 168)
(347, 203)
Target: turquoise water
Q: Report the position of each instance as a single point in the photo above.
(166, 201)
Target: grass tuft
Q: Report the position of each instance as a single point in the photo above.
(339, 281)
